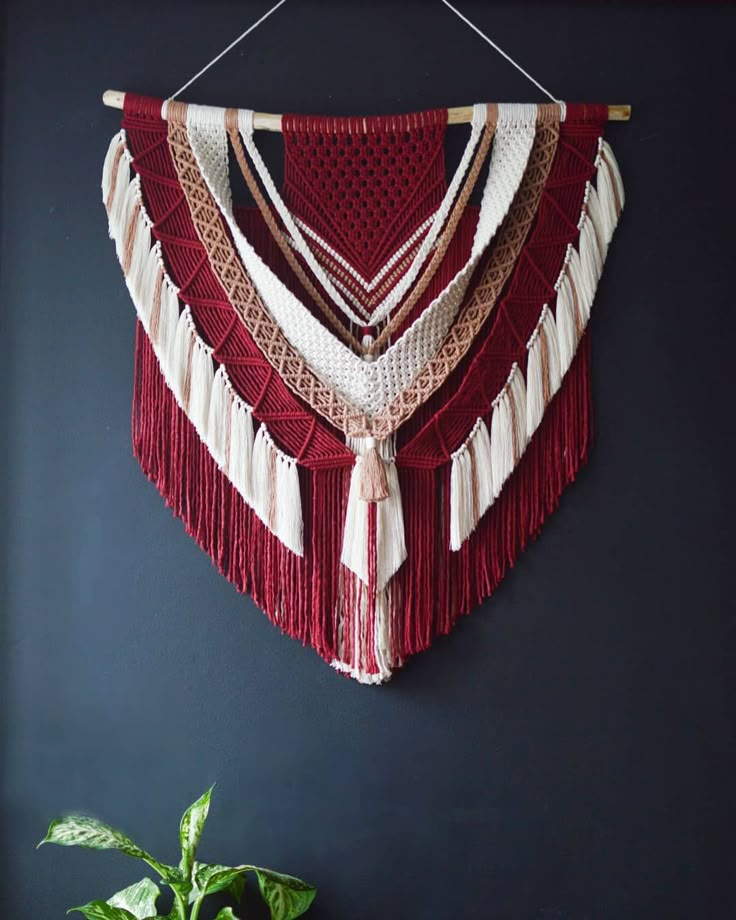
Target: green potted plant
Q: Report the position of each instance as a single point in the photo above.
(191, 881)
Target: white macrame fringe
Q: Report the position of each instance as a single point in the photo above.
(482, 464)
(265, 477)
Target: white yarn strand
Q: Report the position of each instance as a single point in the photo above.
(230, 47)
(500, 51)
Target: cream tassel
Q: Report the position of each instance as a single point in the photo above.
(288, 516)
(543, 375)
(238, 448)
(117, 143)
(508, 428)
(168, 320)
(218, 422)
(180, 357)
(261, 476)
(612, 164)
(567, 324)
(471, 484)
(200, 384)
(390, 546)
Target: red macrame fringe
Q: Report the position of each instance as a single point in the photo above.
(306, 596)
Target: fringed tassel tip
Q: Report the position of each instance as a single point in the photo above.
(363, 677)
(265, 477)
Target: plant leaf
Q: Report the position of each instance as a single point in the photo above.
(101, 910)
(83, 831)
(80, 831)
(226, 914)
(190, 830)
(139, 899)
(287, 897)
(211, 878)
(236, 888)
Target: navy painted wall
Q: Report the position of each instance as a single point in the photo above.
(568, 753)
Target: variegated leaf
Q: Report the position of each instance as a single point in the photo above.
(203, 870)
(236, 888)
(287, 897)
(82, 831)
(209, 879)
(190, 830)
(139, 899)
(101, 910)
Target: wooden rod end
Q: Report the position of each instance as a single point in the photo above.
(619, 112)
(113, 98)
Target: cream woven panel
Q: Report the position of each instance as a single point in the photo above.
(369, 386)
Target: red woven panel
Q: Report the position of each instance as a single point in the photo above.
(365, 185)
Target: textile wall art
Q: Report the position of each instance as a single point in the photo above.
(363, 394)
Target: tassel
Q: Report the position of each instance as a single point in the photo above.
(238, 449)
(580, 282)
(112, 158)
(567, 324)
(202, 376)
(261, 476)
(471, 484)
(508, 428)
(218, 422)
(373, 479)
(144, 282)
(168, 319)
(289, 526)
(612, 165)
(462, 520)
(125, 208)
(389, 536)
(117, 192)
(543, 376)
(181, 358)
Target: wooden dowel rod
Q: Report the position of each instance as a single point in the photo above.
(264, 121)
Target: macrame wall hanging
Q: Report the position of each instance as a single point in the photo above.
(364, 394)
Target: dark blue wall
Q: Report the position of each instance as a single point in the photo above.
(567, 754)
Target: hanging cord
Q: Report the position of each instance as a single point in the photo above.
(229, 48)
(457, 12)
(500, 51)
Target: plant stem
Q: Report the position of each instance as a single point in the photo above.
(195, 909)
(181, 906)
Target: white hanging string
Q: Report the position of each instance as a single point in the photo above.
(457, 12)
(229, 48)
(500, 51)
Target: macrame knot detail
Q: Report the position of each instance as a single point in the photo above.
(373, 478)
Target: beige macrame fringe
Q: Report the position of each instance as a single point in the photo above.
(265, 477)
(483, 463)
